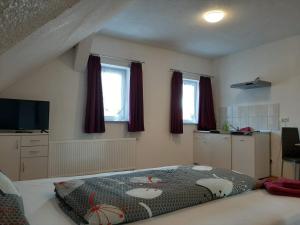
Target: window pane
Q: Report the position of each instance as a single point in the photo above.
(114, 87)
(189, 100)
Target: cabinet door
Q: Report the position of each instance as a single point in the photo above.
(10, 156)
(34, 168)
(262, 155)
(221, 151)
(202, 151)
(243, 155)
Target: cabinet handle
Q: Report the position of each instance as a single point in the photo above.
(242, 140)
(23, 167)
(32, 140)
(17, 145)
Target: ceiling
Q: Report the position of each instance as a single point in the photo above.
(19, 18)
(33, 32)
(36, 31)
(177, 24)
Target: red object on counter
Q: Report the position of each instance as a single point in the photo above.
(247, 129)
(283, 187)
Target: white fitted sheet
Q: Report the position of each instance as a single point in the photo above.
(251, 208)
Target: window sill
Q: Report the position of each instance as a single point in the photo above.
(116, 121)
(189, 123)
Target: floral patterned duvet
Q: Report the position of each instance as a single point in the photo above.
(143, 194)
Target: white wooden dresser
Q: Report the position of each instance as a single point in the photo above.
(24, 156)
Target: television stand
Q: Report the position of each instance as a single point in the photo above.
(32, 163)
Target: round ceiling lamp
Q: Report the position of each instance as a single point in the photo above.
(214, 16)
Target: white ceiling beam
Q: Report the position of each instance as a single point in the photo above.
(83, 50)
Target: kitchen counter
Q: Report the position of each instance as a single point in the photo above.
(229, 132)
(248, 154)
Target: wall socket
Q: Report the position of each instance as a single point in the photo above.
(285, 120)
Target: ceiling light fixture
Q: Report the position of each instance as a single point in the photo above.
(214, 16)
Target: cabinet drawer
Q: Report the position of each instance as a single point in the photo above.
(35, 140)
(36, 151)
(243, 139)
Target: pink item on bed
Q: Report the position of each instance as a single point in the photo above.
(284, 187)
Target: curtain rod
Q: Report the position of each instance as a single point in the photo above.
(187, 72)
(118, 58)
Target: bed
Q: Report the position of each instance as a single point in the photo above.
(254, 207)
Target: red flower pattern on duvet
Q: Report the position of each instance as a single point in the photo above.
(103, 214)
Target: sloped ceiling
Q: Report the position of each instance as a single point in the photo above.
(19, 18)
(36, 31)
(33, 32)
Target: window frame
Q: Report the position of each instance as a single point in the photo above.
(124, 114)
(195, 83)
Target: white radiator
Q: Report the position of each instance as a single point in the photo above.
(81, 157)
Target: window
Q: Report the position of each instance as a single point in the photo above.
(190, 100)
(115, 86)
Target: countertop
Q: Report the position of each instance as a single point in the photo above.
(229, 133)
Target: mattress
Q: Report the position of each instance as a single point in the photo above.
(255, 207)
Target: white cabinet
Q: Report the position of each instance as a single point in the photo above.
(24, 156)
(10, 156)
(251, 155)
(246, 154)
(243, 156)
(202, 153)
(212, 149)
(33, 168)
(221, 151)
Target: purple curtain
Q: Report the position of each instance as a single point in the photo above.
(136, 104)
(207, 119)
(176, 103)
(94, 116)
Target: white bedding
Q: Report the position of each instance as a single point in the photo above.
(251, 208)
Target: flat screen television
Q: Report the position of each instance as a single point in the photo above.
(17, 114)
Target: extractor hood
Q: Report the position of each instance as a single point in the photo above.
(257, 83)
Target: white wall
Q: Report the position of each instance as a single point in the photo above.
(278, 62)
(66, 90)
